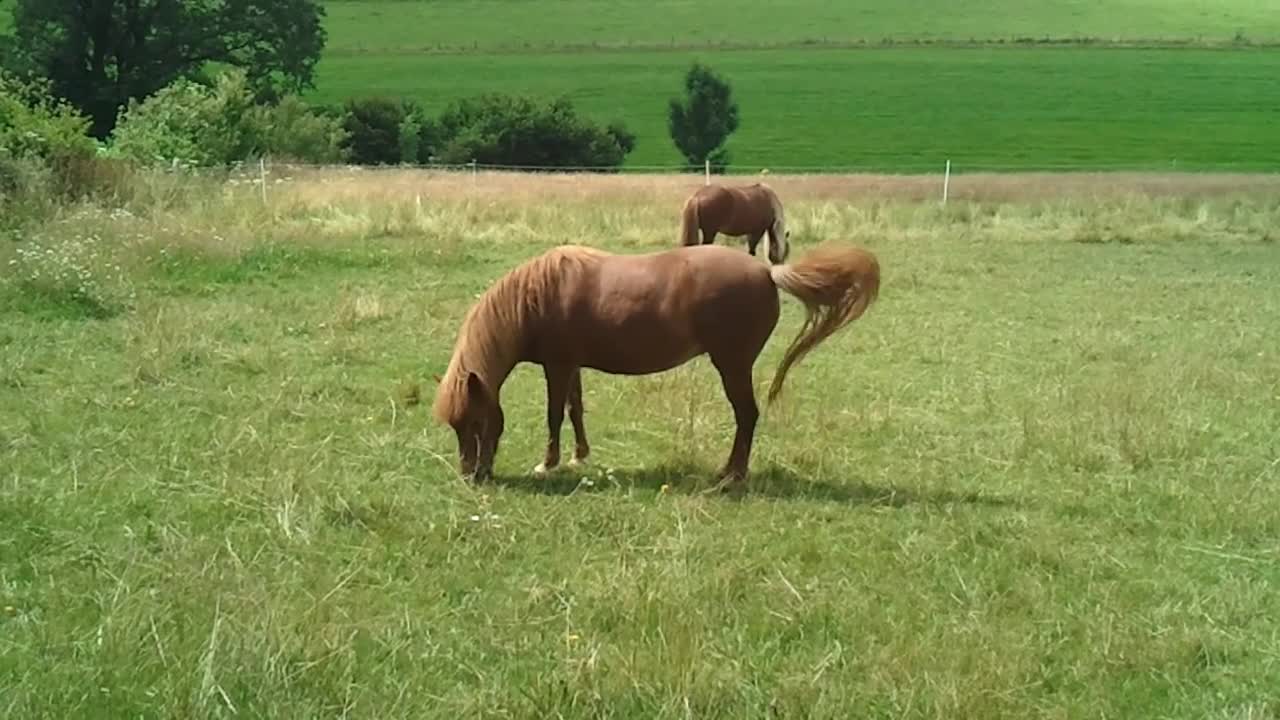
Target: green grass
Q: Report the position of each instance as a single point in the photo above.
(899, 109)
(382, 25)
(1038, 479)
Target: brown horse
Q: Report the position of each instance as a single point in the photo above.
(575, 307)
(751, 210)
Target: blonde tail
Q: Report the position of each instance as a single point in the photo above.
(836, 285)
(689, 222)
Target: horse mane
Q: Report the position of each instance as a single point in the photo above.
(489, 339)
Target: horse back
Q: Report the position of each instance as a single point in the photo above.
(636, 314)
(736, 210)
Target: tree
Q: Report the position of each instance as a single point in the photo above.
(374, 127)
(700, 124)
(99, 54)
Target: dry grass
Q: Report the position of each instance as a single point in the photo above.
(327, 186)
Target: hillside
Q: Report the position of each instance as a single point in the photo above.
(819, 86)
(859, 85)
(406, 25)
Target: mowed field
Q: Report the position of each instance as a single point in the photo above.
(817, 88)
(1037, 479)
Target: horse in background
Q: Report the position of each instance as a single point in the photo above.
(750, 210)
(576, 307)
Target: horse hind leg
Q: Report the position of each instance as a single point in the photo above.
(581, 448)
(558, 381)
(753, 241)
(735, 376)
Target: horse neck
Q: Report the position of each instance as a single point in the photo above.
(494, 360)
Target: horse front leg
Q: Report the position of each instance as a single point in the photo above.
(753, 241)
(558, 378)
(581, 448)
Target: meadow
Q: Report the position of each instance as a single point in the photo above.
(900, 109)
(416, 25)
(868, 86)
(1037, 479)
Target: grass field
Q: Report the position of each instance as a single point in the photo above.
(894, 109)
(818, 89)
(1038, 479)
(381, 25)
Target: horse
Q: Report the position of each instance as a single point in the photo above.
(575, 307)
(750, 210)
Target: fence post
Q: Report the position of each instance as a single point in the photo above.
(262, 175)
(706, 171)
(946, 182)
(473, 172)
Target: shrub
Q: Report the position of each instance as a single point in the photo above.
(190, 124)
(45, 153)
(35, 125)
(373, 126)
(515, 130)
(293, 130)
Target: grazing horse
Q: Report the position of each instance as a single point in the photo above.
(576, 307)
(751, 210)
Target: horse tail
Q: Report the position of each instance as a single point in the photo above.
(836, 285)
(689, 222)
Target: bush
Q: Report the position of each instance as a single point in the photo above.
(293, 130)
(190, 124)
(513, 130)
(373, 130)
(35, 125)
(46, 154)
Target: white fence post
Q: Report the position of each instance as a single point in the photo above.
(706, 171)
(473, 172)
(262, 175)
(946, 183)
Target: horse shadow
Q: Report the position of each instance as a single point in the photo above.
(773, 482)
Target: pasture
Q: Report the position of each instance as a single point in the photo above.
(407, 26)
(1007, 85)
(1037, 479)
(896, 110)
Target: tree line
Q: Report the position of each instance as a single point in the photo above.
(134, 79)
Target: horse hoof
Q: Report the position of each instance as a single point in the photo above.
(540, 469)
(575, 462)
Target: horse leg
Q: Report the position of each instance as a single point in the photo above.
(735, 376)
(557, 377)
(581, 448)
(753, 241)
(708, 237)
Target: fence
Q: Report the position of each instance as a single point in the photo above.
(942, 170)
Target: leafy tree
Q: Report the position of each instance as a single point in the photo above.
(373, 127)
(701, 122)
(99, 54)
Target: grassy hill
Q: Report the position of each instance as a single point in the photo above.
(900, 109)
(383, 25)
(865, 84)
(818, 85)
